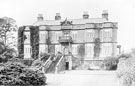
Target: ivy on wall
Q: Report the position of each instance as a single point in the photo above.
(51, 49)
(97, 48)
(81, 52)
(34, 33)
(21, 41)
(48, 40)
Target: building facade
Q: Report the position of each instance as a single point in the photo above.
(88, 39)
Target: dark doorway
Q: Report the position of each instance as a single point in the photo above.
(67, 65)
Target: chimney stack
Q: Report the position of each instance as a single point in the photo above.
(40, 17)
(57, 17)
(85, 15)
(105, 14)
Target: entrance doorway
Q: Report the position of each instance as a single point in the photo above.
(67, 65)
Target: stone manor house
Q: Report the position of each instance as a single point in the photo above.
(91, 39)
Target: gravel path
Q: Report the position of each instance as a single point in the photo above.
(83, 78)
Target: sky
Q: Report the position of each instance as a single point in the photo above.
(122, 11)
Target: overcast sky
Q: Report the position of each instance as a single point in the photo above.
(121, 11)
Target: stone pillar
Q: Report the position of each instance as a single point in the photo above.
(70, 58)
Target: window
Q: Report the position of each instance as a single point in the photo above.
(57, 48)
(107, 50)
(74, 49)
(57, 35)
(89, 49)
(42, 48)
(90, 35)
(42, 36)
(74, 35)
(27, 51)
(107, 33)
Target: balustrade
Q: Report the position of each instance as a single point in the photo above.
(65, 39)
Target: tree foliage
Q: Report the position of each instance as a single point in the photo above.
(8, 30)
(13, 71)
(126, 69)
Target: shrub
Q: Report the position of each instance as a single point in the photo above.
(44, 56)
(126, 70)
(15, 73)
(37, 62)
(28, 62)
(110, 63)
(7, 53)
(76, 63)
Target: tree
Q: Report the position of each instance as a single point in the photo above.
(8, 32)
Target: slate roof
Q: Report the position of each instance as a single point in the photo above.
(74, 21)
